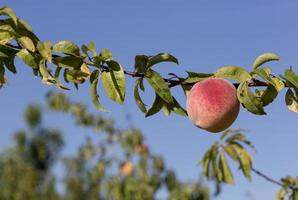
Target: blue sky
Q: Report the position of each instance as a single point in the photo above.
(203, 35)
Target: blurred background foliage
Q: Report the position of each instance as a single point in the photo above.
(121, 166)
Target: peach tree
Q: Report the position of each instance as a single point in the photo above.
(212, 103)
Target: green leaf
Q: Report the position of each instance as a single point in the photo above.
(27, 43)
(291, 101)
(56, 77)
(231, 152)
(2, 77)
(227, 175)
(291, 77)
(186, 88)
(47, 78)
(245, 160)
(175, 107)
(137, 97)
(194, 77)
(159, 85)
(206, 162)
(141, 63)
(276, 82)
(217, 173)
(233, 73)
(10, 13)
(252, 103)
(90, 47)
(76, 76)
(9, 63)
(5, 36)
(67, 47)
(156, 106)
(114, 82)
(45, 50)
(162, 57)
(166, 110)
(6, 52)
(105, 55)
(281, 194)
(28, 58)
(269, 95)
(234, 137)
(68, 62)
(94, 94)
(266, 57)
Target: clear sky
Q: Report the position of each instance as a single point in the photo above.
(203, 35)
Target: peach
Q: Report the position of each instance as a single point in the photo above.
(212, 104)
(126, 168)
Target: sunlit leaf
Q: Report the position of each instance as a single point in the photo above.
(233, 73)
(159, 85)
(94, 93)
(105, 55)
(67, 47)
(114, 82)
(45, 50)
(205, 162)
(5, 36)
(217, 173)
(276, 82)
(137, 97)
(266, 57)
(162, 57)
(291, 77)
(252, 103)
(227, 175)
(27, 43)
(28, 58)
(245, 160)
(194, 77)
(10, 13)
(57, 80)
(46, 76)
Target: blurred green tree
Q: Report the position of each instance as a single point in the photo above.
(121, 167)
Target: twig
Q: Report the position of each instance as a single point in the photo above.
(170, 81)
(267, 177)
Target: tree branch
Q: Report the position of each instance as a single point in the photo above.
(171, 82)
(266, 177)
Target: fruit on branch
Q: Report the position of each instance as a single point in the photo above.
(142, 149)
(126, 168)
(212, 104)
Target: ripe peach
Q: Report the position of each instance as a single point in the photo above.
(126, 168)
(212, 104)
